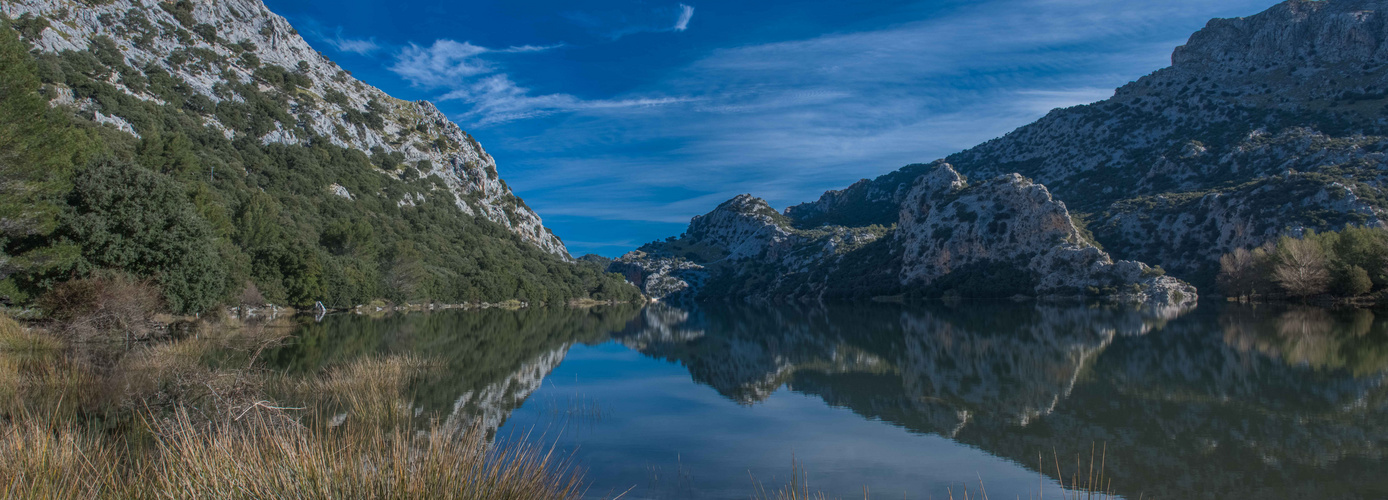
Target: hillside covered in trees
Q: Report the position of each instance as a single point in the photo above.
(209, 214)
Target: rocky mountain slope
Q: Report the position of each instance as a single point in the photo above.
(205, 46)
(1263, 126)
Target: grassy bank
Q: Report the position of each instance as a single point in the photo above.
(195, 415)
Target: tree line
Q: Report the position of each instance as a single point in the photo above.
(1349, 263)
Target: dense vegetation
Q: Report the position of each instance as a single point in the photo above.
(1344, 264)
(212, 219)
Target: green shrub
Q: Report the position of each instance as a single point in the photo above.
(1351, 281)
(126, 217)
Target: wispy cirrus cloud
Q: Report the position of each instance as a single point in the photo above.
(333, 37)
(686, 14)
(617, 24)
(462, 70)
(362, 46)
(443, 64)
(496, 98)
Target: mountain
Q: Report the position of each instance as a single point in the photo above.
(1263, 126)
(361, 195)
(325, 102)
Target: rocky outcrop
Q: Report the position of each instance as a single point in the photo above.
(1012, 225)
(1001, 238)
(201, 48)
(669, 279)
(865, 203)
(745, 250)
(741, 228)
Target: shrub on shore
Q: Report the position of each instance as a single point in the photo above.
(105, 304)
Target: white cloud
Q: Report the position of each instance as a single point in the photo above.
(446, 63)
(460, 68)
(362, 46)
(686, 13)
(530, 48)
(617, 24)
(496, 98)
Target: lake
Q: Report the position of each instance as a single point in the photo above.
(913, 401)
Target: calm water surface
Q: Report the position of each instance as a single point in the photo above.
(1218, 402)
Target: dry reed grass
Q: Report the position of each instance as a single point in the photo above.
(41, 460)
(370, 391)
(264, 455)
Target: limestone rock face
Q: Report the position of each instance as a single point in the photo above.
(149, 35)
(742, 227)
(669, 279)
(1009, 221)
(743, 250)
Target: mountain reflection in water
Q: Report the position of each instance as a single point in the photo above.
(1225, 401)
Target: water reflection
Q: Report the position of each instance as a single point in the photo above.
(1231, 402)
(491, 359)
(1221, 402)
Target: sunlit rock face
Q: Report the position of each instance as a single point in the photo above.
(669, 279)
(1006, 236)
(747, 251)
(150, 36)
(1009, 222)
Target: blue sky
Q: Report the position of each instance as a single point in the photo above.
(618, 120)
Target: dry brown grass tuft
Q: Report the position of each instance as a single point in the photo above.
(369, 391)
(266, 459)
(15, 339)
(38, 460)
